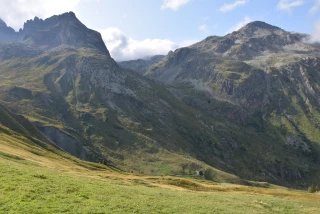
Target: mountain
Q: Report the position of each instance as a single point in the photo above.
(52, 32)
(86, 104)
(214, 104)
(261, 78)
(7, 34)
(141, 65)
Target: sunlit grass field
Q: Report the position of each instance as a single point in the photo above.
(36, 180)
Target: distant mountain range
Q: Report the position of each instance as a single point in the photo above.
(246, 103)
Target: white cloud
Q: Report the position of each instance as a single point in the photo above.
(203, 28)
(173, 4)
(316, 7)
(240, 24)
(123, 48)
(229, 7)
(16, 12)
(287, 5)
(315, 35)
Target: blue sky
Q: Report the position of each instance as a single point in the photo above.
(145, 18)
(138, 28)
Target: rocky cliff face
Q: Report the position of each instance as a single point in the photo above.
(7, 34)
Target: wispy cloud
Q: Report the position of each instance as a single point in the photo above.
(16, 12)
(240, 24)
(122, 47)
(315, 7)
(287, 5)
(203, 28)
(229, 7)
(174, 4)
(315, 35)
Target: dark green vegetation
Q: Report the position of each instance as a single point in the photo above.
(245, 104)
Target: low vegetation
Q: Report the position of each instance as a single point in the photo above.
(313, 188)
(54, 182)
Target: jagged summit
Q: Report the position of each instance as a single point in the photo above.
(40, 24)
(64, 29)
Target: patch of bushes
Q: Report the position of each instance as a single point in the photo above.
(209, 174)
(184, 183)
(313, 188)
(40, 176)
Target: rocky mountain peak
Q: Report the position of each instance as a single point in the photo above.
(37, 24)
(260, 25)
(64, 29)
(259, 29)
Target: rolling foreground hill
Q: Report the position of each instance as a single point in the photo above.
(244, 105)
(40, 178)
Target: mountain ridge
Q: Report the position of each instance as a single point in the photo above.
(207, 110)
(259, 71)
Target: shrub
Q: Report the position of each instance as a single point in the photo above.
(40, 176)
(184, 166)
(209, 174)
(313, 188)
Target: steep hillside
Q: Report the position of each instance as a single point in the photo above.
(13, 124)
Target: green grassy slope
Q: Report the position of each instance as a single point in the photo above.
(36, 180)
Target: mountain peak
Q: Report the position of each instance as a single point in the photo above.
(66, 16)
(64, 29)
(260, 25)
(259, 29)
(40, 24)
(69, 14)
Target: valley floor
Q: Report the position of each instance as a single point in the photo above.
(34, 180)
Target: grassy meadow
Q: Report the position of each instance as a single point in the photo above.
(34, 179)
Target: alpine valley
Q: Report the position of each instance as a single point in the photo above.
(245, 105)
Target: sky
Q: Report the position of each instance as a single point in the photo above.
(135, 29)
